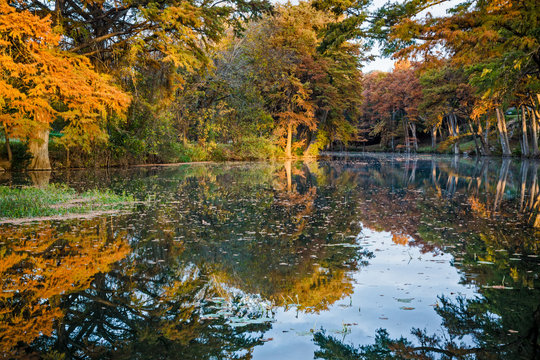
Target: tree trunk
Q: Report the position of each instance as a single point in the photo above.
(453, 128)
(456, 132)
(39, 148)
(288, 148)
(434, 137)
(413, 133)
(485, 138)
(184, 136)
(483, 135)
(310, 150)
(475, 137)
(534, 133)
(524, 138)
(503, 133)
(407, 142)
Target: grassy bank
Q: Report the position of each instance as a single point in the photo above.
(57, 200)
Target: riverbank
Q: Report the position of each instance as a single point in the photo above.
(122, 156)
(52, 202)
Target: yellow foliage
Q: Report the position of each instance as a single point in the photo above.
(38, 264)
(400, 239)
(318, 292)
(40, 83)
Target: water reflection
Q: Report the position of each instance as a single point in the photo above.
(220, 261)
(40, 266)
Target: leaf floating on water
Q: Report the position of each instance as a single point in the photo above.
(405, 300)
(499, 287)
(344, 245)
(406, 308)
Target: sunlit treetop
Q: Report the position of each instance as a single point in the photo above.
(41, 83)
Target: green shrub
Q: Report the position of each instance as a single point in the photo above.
(21, 156)
(319, 144)
(255, 148)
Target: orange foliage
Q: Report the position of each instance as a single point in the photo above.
(40, 83)
(400, 239)
(318, 292)
(37, 264)
(478, 208)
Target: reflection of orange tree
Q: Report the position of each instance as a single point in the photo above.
(288, 196)
(311, 274)
(318, 292)
(38, 263)
(311, 290)
(400, 239)
(323, 287)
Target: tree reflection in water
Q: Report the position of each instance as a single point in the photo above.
(214, 249)
(41, 264)
(491, 244)
(491, 336)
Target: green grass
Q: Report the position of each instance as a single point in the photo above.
(27, 202)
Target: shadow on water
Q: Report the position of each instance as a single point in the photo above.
(212, 252)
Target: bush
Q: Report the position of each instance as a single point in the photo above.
(21, 156)
(255, 148)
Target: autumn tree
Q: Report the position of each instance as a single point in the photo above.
(274, 82)
(309, 91)
(392, 105)
(113, 33)
(495, 42)
(447, 101)
(41, 83)
(134, 42)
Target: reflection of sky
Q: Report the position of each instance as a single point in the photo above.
(398, 276)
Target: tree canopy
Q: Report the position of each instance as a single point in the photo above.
(167, 81)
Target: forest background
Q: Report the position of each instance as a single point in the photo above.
(111, 83)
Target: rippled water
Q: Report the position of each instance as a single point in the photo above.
(344, 258)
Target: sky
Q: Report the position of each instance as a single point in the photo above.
(386, 64)
(383, 63)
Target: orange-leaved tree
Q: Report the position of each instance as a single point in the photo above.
(40, 83)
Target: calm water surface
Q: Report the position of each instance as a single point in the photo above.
(342, 258)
